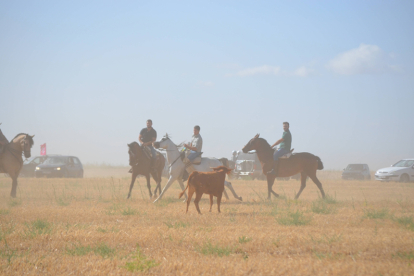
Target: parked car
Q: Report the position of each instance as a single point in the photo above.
(29, 166)
(356, 171)
(60, 166)
(402, 171)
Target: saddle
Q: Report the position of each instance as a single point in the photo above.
(287, 155)
(196, 161)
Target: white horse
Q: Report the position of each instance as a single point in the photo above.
(177, 167)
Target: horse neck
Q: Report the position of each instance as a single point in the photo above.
(172, 152)
(16, 143)
(264, 153)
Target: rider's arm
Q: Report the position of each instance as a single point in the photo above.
(278, 142)
(139, 139)
(190, 147)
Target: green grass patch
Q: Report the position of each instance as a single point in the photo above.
(214, 249)
(175, 225)
(407, 222)
(129, 212)
(4, 211)
(330, 199)
(140, 262)
(113, 209)
(321, 207)
(101, 249)
(14, 202)
(404, 255)
(376, 214)
(244, 239)
(106, 230)
(166, 201)
(294, 218)
(38, 227)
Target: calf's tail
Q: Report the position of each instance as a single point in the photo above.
(192, 176)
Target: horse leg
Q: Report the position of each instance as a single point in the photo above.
(228, 185)
(211, 202)
(270, 181)
(317, 182)
(170, 181)
(303, 177)
(14, 185)
(134, 176)
(180, 181)
(157, 179)
(149, 184)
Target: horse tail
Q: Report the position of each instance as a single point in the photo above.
(320, 164)
(188, 181)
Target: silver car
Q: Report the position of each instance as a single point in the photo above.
(402, 171)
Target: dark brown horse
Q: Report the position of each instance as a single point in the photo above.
(140, 163)
(11, 160)
(304, 163)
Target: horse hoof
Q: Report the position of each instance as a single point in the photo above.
(240, 198)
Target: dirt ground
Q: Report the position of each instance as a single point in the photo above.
(87, 226)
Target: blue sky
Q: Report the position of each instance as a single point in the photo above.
(84, 77)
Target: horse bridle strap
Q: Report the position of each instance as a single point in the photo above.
(174, 161)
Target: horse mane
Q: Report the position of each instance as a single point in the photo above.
(265, 143)
(27, 135)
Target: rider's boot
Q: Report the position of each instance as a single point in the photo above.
(275, 169)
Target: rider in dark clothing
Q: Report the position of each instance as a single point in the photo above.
(147, 136)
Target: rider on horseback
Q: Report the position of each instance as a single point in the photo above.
(285, 144)
(194, 149)
(147, 136)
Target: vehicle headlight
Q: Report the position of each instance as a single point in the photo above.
(37, 168)
(58, 169)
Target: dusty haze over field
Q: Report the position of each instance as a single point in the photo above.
(84, 77)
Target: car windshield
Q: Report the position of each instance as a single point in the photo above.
(56, 160)
(355, 167)
(404, 163)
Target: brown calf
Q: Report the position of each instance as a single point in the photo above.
(211, 183)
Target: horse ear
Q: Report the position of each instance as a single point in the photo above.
(257, 135)
(31, 136)
(128, 145)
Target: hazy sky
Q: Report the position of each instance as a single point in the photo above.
(84, 76)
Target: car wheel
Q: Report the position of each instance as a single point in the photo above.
(404, 178)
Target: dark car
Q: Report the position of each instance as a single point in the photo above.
(356, 171)
(60, 166)
(29, 166)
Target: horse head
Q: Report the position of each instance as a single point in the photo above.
(163, 143)
(26, 144)
(252, 144)
(133, 151)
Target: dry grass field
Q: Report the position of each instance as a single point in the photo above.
(87, 227)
